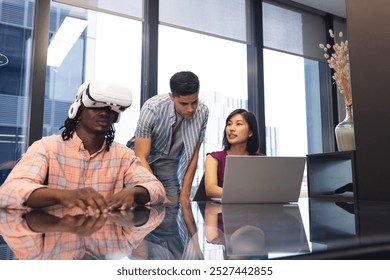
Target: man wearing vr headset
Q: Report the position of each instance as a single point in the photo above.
(83, 167)
(170, 130)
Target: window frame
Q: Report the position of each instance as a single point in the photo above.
(149, 74)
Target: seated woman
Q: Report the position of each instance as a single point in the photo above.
(241, 137)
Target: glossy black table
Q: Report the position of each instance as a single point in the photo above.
(311, 229)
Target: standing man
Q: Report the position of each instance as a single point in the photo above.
(170, 130)
(83, 167)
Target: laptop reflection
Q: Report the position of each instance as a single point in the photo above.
(263, 231)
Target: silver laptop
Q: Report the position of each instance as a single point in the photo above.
(262, 179)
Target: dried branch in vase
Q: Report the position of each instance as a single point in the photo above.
(337, 57)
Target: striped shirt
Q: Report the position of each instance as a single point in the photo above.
(155, 122)
(69, 166)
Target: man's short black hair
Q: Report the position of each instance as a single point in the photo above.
(184, 83)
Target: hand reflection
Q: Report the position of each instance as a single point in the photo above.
(78, 224)
(189, 220)
(214, 226)
(137, 216)
(45, 235)
(85, 225)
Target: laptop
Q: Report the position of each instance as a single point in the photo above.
(268, 230)
(262, 179)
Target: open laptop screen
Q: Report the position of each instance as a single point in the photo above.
(267, 179)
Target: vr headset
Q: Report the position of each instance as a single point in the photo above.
(98, 94)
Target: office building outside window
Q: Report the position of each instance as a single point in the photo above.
(15, 53)
(96, 52)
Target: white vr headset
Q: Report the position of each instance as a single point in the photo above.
(98, 94)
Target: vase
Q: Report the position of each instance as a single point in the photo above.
(345, 133)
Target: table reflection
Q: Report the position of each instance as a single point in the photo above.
(176, 238)
(256, 231)
(349, 230)
(67, 234)
(314, 229)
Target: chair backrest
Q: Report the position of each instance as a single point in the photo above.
(200, 194)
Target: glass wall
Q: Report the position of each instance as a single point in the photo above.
(88, 49)
(213, 44)
(212, 17)
(291, 80)
(219, 63)
(96, 53)
(15, 53)
(285, 107)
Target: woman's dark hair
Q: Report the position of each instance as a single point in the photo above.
(184, 83)
(71, 124)
(253, 141)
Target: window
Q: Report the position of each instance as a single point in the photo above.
(15, 52)
(291, 80)
(97, 53)
(221, 68)
(221, 18)
(124, 8)
(285, 103)
(219, 63)
(207, 37)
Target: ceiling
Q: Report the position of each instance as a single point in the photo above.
(335, 7)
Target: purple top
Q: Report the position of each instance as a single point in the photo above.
(220, 156)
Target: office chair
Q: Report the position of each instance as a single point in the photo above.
(200, 197)
(200, 194)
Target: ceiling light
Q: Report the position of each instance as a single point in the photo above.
(63, 41)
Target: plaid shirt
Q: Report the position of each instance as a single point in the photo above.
(111, 241)
(69, 166)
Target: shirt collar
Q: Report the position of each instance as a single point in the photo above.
(77, 143)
